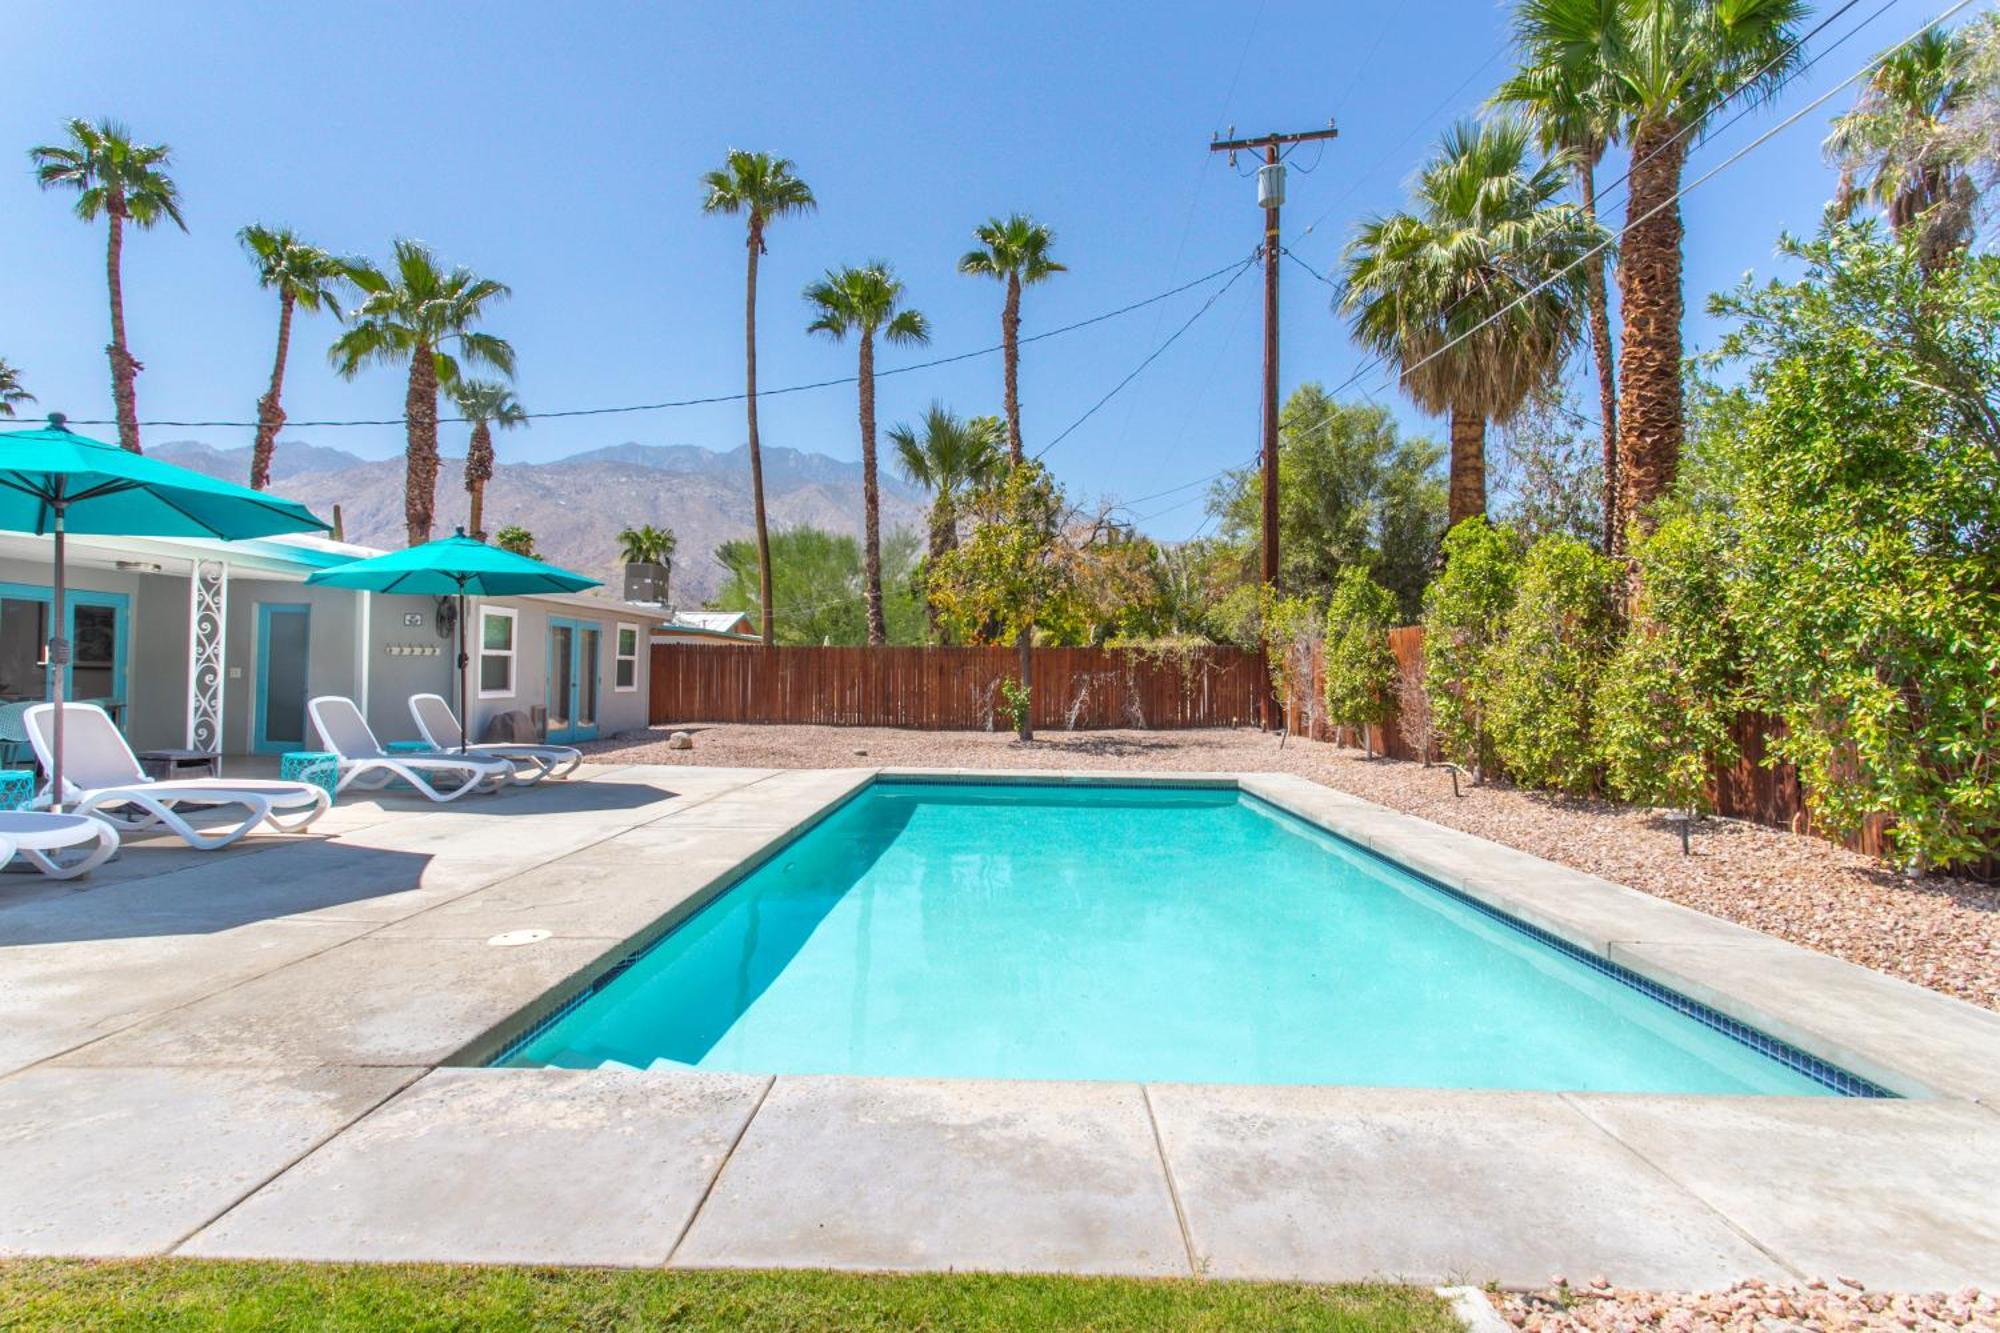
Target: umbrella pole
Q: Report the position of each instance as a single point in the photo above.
(58, 660)
(464, 688)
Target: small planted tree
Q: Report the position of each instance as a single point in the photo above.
(1544, 673)
(1360, 669)
(1288, 629)
(1465, 610)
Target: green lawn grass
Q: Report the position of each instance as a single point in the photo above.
(196, 1294)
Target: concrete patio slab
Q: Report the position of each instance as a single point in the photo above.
(130, 1161)
(1895, 1194)
(1346, 1184)
(908, 1174)
(503, 1166)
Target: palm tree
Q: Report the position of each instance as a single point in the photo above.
(1574, 112)
(126, 182)
(486, 404)
(762, 188)
(1895, 151)
(420, 313)
(647, 545)
(1448, 292)
(304, 276)
(948, 457)
(863, 301)
(12, 395)
(1015, 250)
(1669, 67)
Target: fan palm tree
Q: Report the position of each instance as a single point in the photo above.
(1669, 67)
(864, 301)
(126, 182)
(948, 456)
(305, 277)
(1894, 150)
(1574, 112)
(12, 395)
(486, 404)
(761, 188)
(647, 545)
(1014, 250)
(1447, 293)
(422, 314)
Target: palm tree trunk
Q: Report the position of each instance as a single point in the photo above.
(124, 370)
(1010, 357)
(271, 416)
(1607, 371)
(1649, 287)
(478, 471)
(421, 463)
(871, 513)
(750, 403)
(1468, 466)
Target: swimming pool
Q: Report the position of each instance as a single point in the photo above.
(1164, 934)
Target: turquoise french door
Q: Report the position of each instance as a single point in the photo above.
(575, 647)
(284, 637)
(98, 630)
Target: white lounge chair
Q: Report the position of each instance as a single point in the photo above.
(101, 777)
(533, 762)
(365, 764)
(50, 843)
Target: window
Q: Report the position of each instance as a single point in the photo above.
(625, 662)
(497, 625)
(96, 631)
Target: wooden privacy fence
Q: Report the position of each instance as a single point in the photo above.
(953, 689)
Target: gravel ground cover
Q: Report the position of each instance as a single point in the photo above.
(1752, 1306)
(1939, 932)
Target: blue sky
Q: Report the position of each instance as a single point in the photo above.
(558, 149)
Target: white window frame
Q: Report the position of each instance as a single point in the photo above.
(618, 658)
(512, 653)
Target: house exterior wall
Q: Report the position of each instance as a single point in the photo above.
(332, 664)
(617, 710)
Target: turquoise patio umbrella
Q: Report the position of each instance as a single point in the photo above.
(455, 566)
(54, 482)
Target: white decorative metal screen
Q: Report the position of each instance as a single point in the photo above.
(208, 614)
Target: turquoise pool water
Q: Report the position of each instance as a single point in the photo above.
(1036, 931)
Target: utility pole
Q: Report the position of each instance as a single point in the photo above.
(1270, 194)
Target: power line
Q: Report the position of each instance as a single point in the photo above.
(723, 397)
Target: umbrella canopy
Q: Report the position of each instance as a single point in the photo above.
(54, 482)
(454, 566)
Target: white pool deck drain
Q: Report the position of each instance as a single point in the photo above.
(271, 1052)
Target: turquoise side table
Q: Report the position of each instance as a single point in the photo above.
(17, 788)
(319, 767)
(411, 747)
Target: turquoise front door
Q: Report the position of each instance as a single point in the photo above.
(283, 639)
(574, 649)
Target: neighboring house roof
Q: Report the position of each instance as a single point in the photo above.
(726, 622)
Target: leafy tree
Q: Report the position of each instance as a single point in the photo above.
(1547, 482)
(761, 189)
(486, 404)
(1867, 503)
(949, 457)
(1014, 250)
(12, 395)
(1288, 630)
(125, 182)
(517, 539)
(1669, 67)
(1574, 112)
(1894, 150)
(306, 277)
(1672, 692)
(1351, 491)
(1360, 668)
(1013, 572)
(647, 545)
(1465, 613)
(866, 301)
(1543, 674)
(818, 579)
(421, 314)
(1453, 292)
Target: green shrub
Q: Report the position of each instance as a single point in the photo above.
(1020, 701)
(1671, 693)
(1465, 608)
(1545, 670)
(1360, 669)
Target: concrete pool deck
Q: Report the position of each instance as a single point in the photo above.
(270, 1052)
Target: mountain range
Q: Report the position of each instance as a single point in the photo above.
(576, 506)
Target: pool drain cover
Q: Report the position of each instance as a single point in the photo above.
(514, 938)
